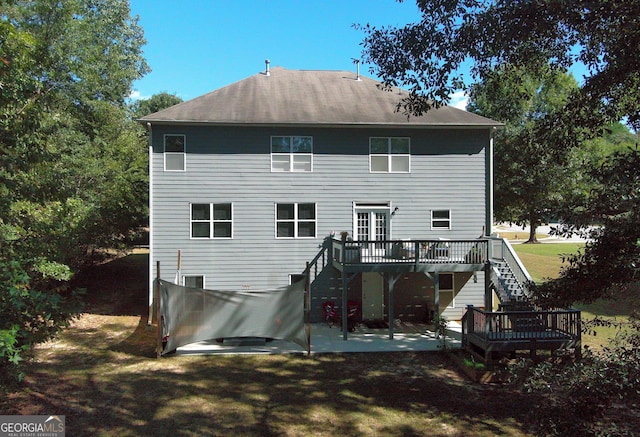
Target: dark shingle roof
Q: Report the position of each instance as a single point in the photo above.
(300, 97)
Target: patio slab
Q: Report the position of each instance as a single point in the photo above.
(325, 339)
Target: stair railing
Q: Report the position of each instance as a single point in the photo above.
(502, 250)
(320, 261)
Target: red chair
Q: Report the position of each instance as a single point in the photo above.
(333, 316)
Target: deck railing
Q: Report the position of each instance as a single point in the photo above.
(501, 250)
(522, 325)
(411, 251)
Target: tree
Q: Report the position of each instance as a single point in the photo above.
(72, 172)
(532, 36)
(532, 175)
(156, 103)
(426, 57)
(610, 261)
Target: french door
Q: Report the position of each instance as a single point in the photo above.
(372, 225)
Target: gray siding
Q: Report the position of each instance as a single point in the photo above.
(232, 164)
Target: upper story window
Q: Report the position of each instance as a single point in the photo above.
(295, 220)
(389, 155)
(441, 219)
(174, 152)
(292, 154)
(211, 220)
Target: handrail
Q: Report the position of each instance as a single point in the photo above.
(411, 251)
(522, 325)
(502, 250)
(326, 244)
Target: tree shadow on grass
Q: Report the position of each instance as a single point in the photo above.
(335, 394)
(107, 383)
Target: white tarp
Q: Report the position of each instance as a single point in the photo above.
(190, 315)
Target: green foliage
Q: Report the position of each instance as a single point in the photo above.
(31, 311)
(427, 56)
(472, 363)
(611, 260)
(156, 103)
(579, 397)
(10, 356)
(73, 163)
(533, 174)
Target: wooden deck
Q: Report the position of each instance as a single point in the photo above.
(410, 255)
(490, 333)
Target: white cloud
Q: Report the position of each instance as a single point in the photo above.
(136, 95)
(459, 100)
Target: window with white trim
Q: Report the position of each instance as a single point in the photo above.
(295, 220)
(296, 277)
(291, 154)
(446, 290)
(193, 281)
(174, 152)
(193, 300)
(211, 220)
(441, 219)
(389, 155)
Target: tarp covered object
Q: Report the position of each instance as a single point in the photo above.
(190, 315)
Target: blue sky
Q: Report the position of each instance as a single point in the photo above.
(197, 46)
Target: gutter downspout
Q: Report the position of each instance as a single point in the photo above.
(151, 272)
(488, 226)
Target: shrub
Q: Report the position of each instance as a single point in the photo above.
(580, 397)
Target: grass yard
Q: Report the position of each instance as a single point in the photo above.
(102, 375)
(544, 261)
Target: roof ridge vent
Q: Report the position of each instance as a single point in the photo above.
(267, 71)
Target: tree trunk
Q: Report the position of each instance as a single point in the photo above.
(533, 225)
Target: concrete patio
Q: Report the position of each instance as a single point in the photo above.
(325, 339)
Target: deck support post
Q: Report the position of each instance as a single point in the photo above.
(488, 293)
(436, 298)
(345, 322)
(157, 311)
(345, 282)
(391, 281)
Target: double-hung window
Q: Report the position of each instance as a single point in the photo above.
(211, 220)
(292, 154)
(389, 155)
(174, 152)
(441, 219)
(295, 220)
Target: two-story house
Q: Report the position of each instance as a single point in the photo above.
(249, 182)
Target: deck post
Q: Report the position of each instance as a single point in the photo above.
(345, 327)
(436, 300)
(156, 310)
(488, 294)
(392, 282)
(307, 292)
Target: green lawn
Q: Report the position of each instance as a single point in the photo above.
(544, 261)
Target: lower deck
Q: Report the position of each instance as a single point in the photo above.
(492, 333)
